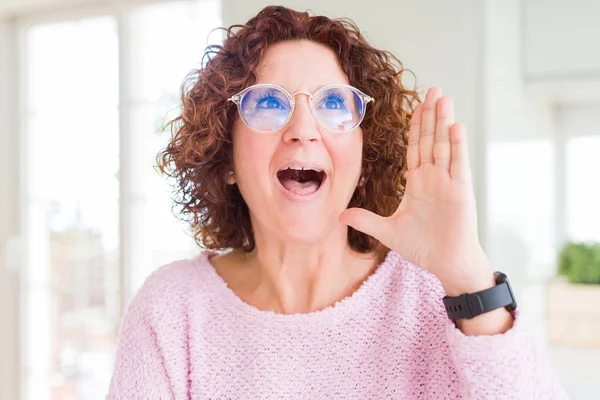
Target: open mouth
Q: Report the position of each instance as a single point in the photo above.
(301, 181)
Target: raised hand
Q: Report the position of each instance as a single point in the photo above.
(435, 225)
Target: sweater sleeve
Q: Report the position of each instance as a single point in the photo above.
(139, 370)
(503, 366)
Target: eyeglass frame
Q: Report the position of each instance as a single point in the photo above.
(238, 97)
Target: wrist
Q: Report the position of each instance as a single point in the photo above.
(485, 315)
(470, 284)
(474, 277)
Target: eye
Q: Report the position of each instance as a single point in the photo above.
(333, 101)
(269, 101)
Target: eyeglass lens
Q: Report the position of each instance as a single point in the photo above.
(266, 109)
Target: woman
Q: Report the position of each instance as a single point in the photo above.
(349, 218)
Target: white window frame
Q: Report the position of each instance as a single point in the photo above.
(10, 224)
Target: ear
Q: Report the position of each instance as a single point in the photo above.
(230, 178)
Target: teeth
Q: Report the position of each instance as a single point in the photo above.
(305, 169)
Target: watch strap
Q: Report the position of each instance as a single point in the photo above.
(470, 305)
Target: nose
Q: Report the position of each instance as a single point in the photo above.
(302, 126)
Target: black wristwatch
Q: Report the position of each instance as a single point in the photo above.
(469, 305)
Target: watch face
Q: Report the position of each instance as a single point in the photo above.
(500, 277)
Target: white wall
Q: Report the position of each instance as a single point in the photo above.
(505, 121)
(562, 38)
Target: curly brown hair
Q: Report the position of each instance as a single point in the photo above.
(199, 155)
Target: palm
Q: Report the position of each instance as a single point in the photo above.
(431, 215)
(436, 222)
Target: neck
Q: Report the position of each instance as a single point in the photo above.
(290, 277)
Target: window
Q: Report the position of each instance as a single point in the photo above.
(72, 143)
(98, 92)
(582, 169)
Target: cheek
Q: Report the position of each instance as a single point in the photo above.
(346, 154)
(251, 154)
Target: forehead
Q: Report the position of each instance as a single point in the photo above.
(300, 65)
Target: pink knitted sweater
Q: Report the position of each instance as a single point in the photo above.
(186, 335)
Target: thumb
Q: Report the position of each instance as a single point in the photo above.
(367, 222)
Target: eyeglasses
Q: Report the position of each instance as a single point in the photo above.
(267, 108)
